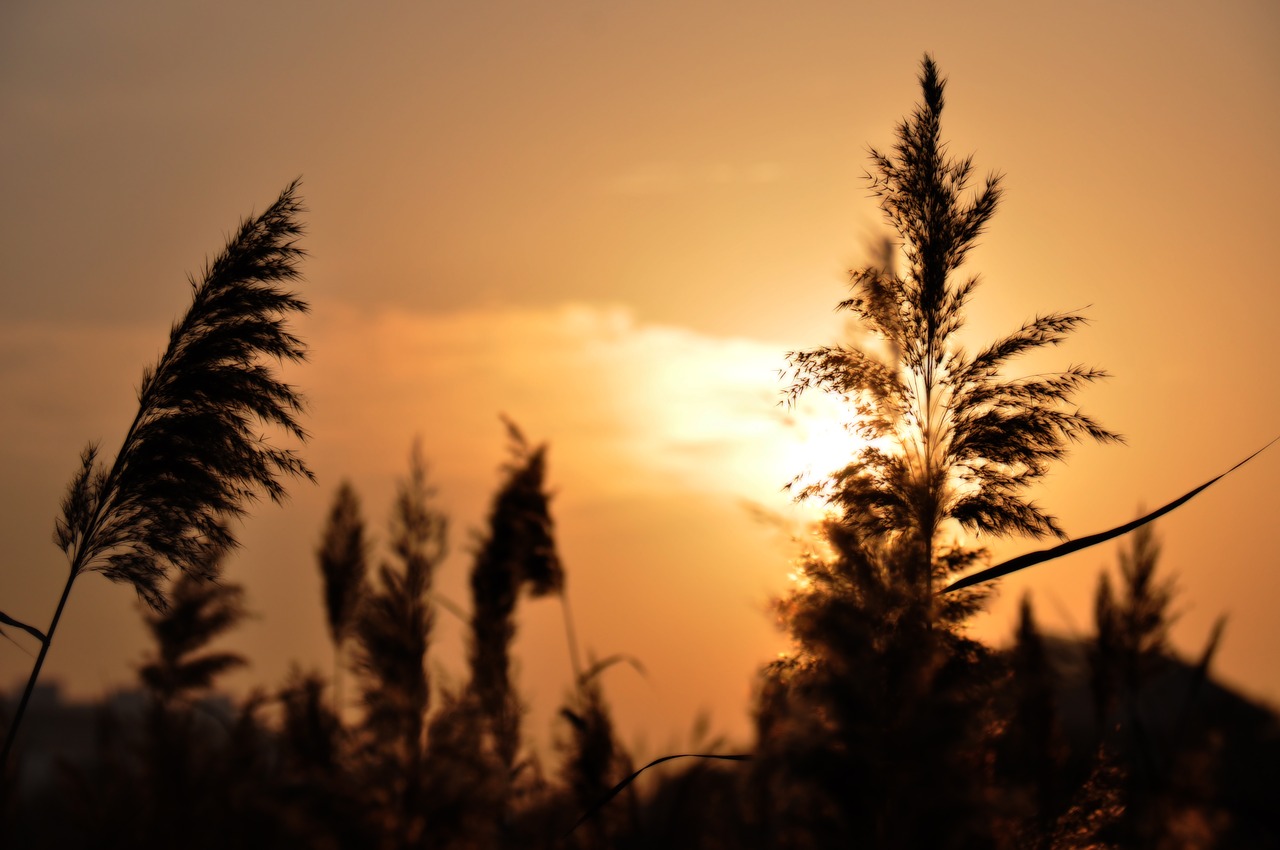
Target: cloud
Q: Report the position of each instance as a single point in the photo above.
(660, 406)
(657, 432)
(630, 408)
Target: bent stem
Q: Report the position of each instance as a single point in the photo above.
(12, 734)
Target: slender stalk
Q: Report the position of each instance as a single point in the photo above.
(131, 523)
(12, 734)
(76, 564)
(571, 636)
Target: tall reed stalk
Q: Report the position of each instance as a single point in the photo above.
(194, 457)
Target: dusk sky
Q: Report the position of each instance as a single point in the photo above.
(610, 221)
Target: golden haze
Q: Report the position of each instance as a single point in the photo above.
(610, 222)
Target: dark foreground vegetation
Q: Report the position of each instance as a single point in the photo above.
(885, 727)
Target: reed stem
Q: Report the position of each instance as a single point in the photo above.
(12, 733)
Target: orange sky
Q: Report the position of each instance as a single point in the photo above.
(610, 221)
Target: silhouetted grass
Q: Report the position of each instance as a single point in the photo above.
(342, 556)
(886, 726)
(193, 456)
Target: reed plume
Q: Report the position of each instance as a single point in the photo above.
(518, 551)
(394, 625)
(393, 631)
(199, 610)
(950, 437)
(867, 733)
(194, 457)
(343, 558)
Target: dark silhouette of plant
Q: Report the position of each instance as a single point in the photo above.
(319, 796)
(392, 632)
(198, 611)
(173, 767)
(951, 437)
(877, 731)
(593, 761)
(464, 792)
(1090, 822)
(311, 739)
(1103, 654)
(1163, 764)
(1032, 751)
(343, 558)
(194, 458)
(1143, 614)
(182, 746)
(518, 550)
(181, 779)
(1132, 629)
(1030, 559)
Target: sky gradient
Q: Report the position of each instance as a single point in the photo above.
(610, 221)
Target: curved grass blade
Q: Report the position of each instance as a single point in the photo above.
(31, 630)
(621, 786)
(604, 664)
(1032, 558)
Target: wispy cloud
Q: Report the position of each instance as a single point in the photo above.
(660, 407)
(657, 434)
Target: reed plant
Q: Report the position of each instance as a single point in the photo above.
(874, 730)
(518, 551)
(198, 611)
(393, 633)
(194, 458)
(948, 436)
(343, 557)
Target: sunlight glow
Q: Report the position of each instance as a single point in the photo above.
(800, 578)
(823, 439)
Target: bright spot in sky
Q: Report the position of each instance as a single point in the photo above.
(821, 438)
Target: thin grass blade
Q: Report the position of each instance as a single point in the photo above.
(1031, 559)
(621, 786)
(31, 630)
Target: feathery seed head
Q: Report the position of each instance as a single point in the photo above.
(194, 457)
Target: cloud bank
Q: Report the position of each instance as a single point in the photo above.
(658, 434)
